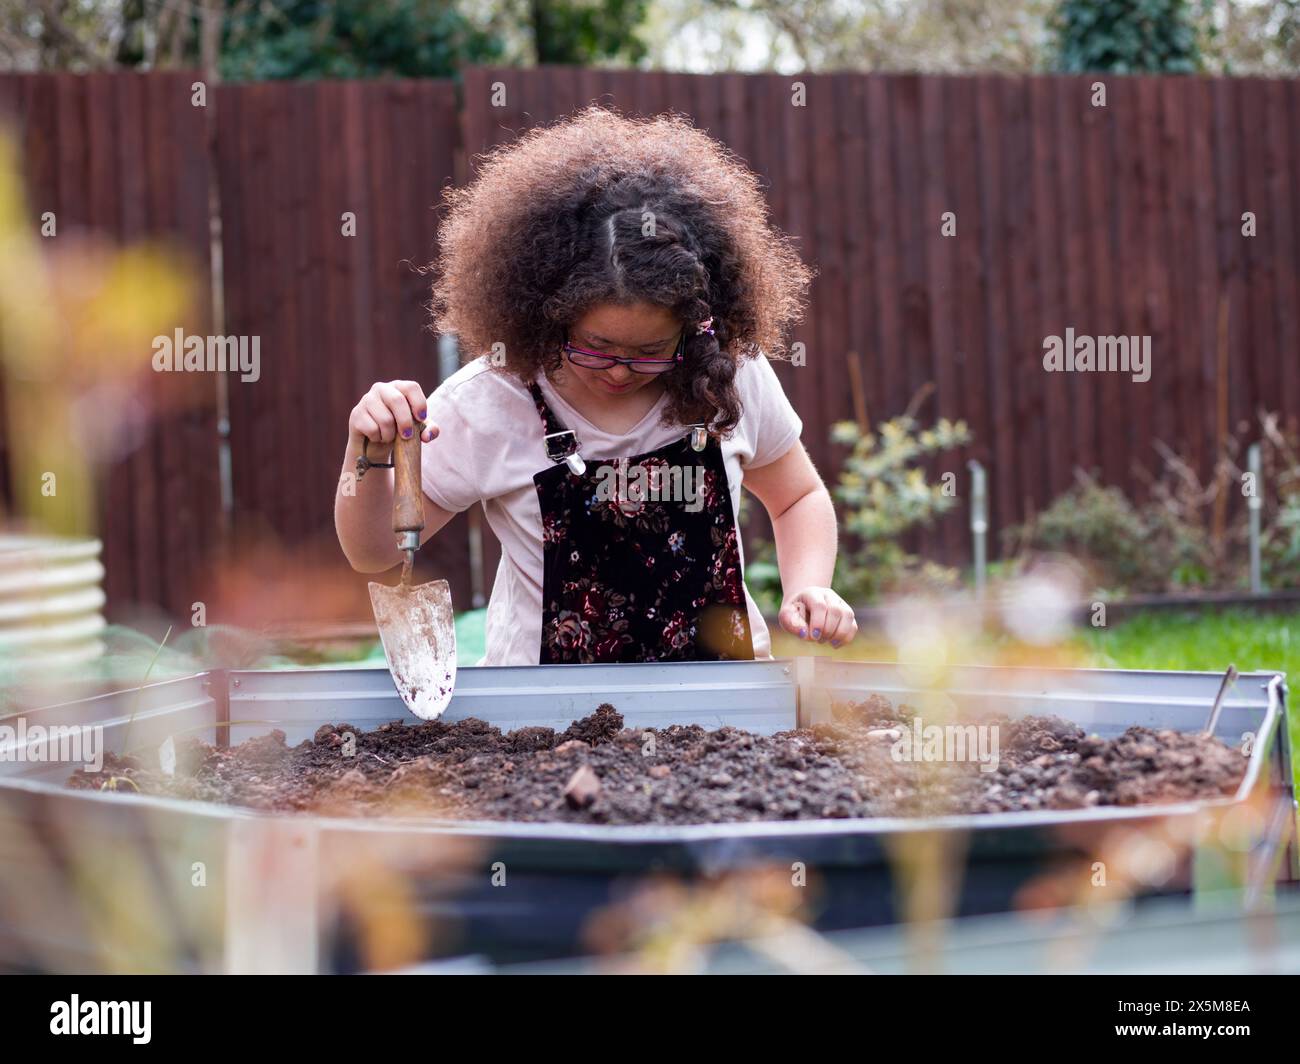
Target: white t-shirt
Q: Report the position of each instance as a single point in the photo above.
(490, 444)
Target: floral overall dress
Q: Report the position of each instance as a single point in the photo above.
(646, 575)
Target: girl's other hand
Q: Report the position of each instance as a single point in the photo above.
(819, 614)
(385, 411)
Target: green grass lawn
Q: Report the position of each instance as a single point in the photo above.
(1251, 641)
(1183, 640)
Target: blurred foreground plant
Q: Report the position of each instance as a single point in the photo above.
(77, 320)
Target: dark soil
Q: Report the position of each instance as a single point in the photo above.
(597, 772)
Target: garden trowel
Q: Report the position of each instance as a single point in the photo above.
(416, 623)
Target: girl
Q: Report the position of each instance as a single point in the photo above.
(621, 282)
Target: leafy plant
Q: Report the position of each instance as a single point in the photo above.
(1128, 36)
(1280, 536)
(422, 38)
(351, 39)
(1188, 533)
(763, 578)
(884, 494)
(1095, 524)
(587, 31)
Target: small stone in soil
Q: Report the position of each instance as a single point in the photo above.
(583, 788)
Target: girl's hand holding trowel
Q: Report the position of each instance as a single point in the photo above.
(384, 412)
(363, 506)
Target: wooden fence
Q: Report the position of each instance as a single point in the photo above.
(306, 164)
(1171, 212)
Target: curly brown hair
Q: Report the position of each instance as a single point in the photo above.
(555, 224)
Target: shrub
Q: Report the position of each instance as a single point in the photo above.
(1127, 36)
(1095, 524)
(883, 493)
(1187, 533)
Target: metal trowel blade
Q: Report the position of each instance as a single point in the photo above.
(418, 631)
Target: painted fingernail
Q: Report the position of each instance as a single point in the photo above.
(817, 633)
(835, 643)
(803, 633)
(406, 433)
(423, 414)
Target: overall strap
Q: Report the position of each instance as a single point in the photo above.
(560, 442)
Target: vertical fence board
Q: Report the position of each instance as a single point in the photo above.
(970, 276)
(1072, 260)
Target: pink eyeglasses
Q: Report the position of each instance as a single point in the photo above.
(580, 356)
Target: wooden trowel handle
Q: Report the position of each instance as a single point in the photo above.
(408, 506)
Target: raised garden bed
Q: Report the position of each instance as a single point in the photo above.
(271, 901)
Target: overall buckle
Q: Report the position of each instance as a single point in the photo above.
(567, 453)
